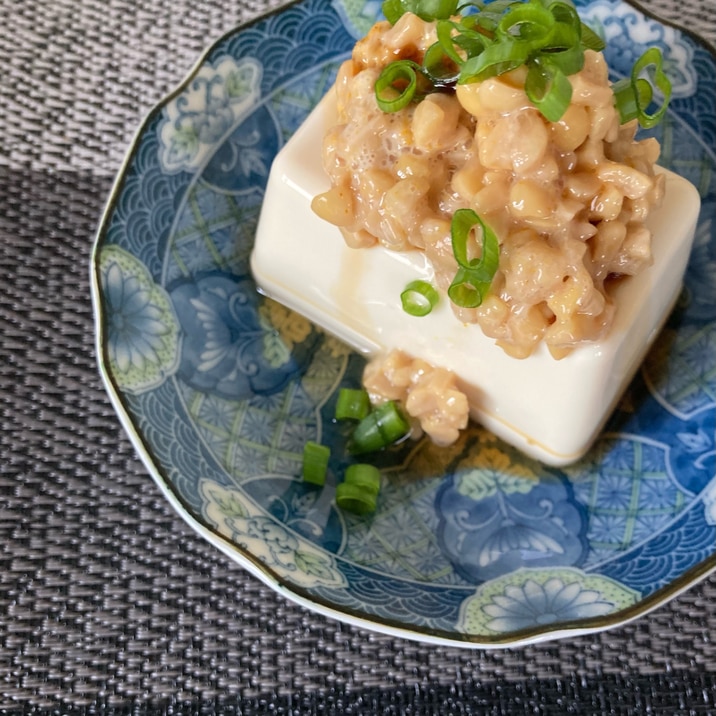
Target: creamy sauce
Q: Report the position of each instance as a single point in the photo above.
(567, 199)
(301, 261)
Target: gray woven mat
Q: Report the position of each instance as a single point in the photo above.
(107, 599)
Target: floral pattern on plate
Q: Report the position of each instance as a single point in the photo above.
(142, 335)
(207, 108)
(220, 388)
(267, 540)
(529, 599)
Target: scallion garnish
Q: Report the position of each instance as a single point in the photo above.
(626, 93)
(590, 39)
(358, 493)
(396, 85)
(439, 68)
(419, 298)
(634, 94)
(496, 59)
(474, 276)
(315, 462)
(352, 498)
(365, 476)
(352, 404)
(459, 40)
(425, 9)
(393, 10)
(545, 35)
(384, 426)
(528, 21)
(548, 89)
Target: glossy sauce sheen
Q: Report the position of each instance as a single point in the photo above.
(566, 199)
(550, 409)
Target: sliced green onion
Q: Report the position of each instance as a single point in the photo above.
(384, 426)
(474, 276)
(425, 9)
(565, 13)
(396, 85)
(489, 14)
(446, 39)
(471, 41)
(365, 476)
(439, 67)
(546, 35)
(459, 40)
(625, 97)
(549, 89)
(590, 39)
(496, 7)
(528, 22)
(435, 9)
(494, 60)
(462, 224)
(352, 404)
(465, 291)
(419, 298)
(353, 498)
(563, 49)
(393, 10)
(359, 490)
(568, 60)
(315, 462)
(651, 58)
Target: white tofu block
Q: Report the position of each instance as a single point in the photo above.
(551, 410)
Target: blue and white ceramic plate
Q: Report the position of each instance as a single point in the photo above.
(220, 388)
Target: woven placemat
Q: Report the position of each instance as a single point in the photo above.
(108, 601)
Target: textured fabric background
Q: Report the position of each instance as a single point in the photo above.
(108, 601)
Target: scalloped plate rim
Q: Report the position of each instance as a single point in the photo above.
(294, 593)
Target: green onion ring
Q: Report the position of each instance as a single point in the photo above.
(352, 498)
(474, 276)
(531, 22)
(419, 298)
(563, 49)
(363, 475)
(385, 89)
(452, 35)
(315, 462)
(427, 10)
(462, 223)
(546, 35)
(435, 9)
(590, 39)
(444, 31)
(439, 67)
(496, 59)
(625, 97)
(352, 404)
(549, 89)
(652, 57)
(384, 426)
(466, 291)
(565, 13)
(393, 10)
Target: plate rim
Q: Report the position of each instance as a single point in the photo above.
(293, 592)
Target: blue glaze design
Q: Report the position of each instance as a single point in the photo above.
(222, 388)
(497, 515)
(227, 348)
